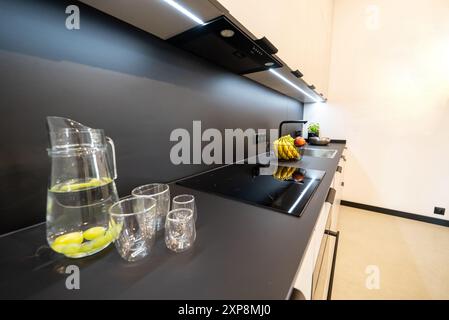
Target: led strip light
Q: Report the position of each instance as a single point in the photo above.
(277, 74)
(184, 11)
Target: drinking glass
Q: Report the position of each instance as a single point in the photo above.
(179, 230)
(133, 225)
(160, 193)
(185, 201)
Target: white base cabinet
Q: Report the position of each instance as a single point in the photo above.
(313, 280)
(304, 279)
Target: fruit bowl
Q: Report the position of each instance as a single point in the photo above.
(285, 149)
(317, 141)
(291, 174)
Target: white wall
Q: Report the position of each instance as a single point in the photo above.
(300, 29)
(389, 96)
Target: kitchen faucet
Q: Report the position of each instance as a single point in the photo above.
(303, 122)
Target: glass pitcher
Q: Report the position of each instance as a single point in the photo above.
(81, 188)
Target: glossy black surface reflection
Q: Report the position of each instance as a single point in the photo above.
(284, 189)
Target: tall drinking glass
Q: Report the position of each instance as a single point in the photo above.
(133, 224)
(160, 193)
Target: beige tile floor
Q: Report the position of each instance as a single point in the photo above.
(410, 257)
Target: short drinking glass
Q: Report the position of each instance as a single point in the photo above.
(186, 201)
(133, 224)
(160, 193)
(179, 230)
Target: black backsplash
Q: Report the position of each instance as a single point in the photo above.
(113, 76)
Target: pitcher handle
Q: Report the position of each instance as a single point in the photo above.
(111, 157)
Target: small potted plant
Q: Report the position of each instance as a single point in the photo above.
(314, 130)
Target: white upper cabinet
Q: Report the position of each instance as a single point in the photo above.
(157, 16)
(300, 29)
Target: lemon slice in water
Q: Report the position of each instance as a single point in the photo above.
(69, 238)
(71, 187)
(94, 233)
(71, 249)
(103, 240)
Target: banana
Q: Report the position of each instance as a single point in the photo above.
(291, 152)
(285, 174)
(283, 151)
(291, 147)
(290, 173)
(297, 155)
(294, 152)
(284, 148)
(278, 174)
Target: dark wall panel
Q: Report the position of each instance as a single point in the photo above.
(113, 76)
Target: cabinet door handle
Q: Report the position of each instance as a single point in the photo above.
(266, 44)
(297, 74)
(331, 196)
(342, 184)
(334, 260)
(344, 158)
(339, 169)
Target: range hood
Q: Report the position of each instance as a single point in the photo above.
(224, 43)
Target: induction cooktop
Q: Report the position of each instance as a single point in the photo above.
(280, 188)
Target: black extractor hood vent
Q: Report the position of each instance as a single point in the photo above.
(223, 43)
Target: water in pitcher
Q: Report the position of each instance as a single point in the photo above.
(77, 216)
(81, 188)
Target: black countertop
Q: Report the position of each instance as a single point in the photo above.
(241, 252)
